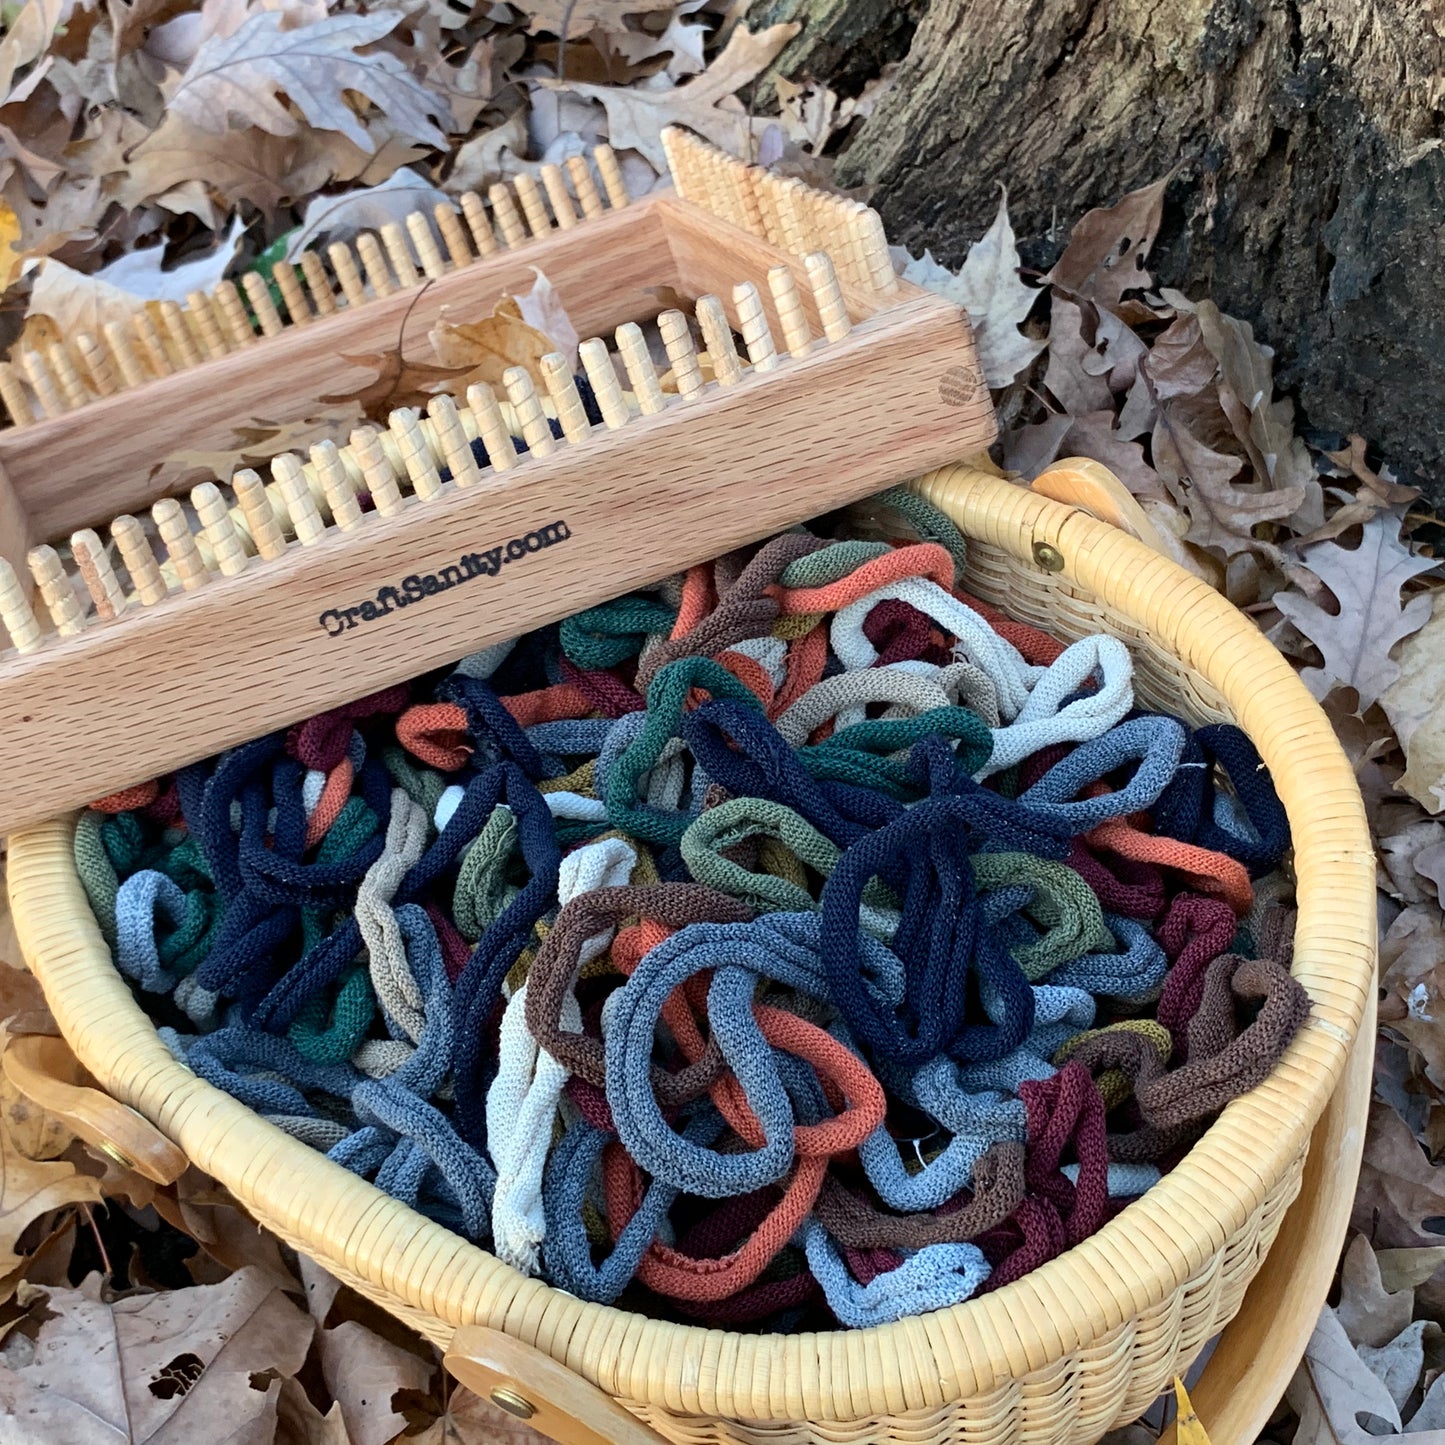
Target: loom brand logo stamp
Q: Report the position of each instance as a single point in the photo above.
(421, 585)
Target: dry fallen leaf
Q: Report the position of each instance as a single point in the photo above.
(1108, 247)
(1333, 1388)
(989, 288)
(202, 1364)
(399, 382)
(483, 350)
(314, 65)
(1366, 583)
(78, 302)
(1369, 1313)
(1399, 1187)
(636, 116)
(340, 217)
(1415, 705)
(580, 16)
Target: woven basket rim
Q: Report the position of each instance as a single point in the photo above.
(1147, 1251)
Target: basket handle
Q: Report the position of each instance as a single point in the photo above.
(44, 1070)
(1092, 487)
(532, 1386)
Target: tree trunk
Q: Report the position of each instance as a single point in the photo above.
(1305, 140)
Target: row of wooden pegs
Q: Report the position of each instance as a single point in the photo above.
(76, 370)
(783, 211)
(261, 519)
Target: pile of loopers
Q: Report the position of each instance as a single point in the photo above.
(798, 942)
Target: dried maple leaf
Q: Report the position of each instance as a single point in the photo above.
(989, 288)
(191, 1364)
(1366, 583)
(706, 103)
(314, 65)
(1108, 247)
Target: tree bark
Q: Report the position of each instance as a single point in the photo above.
(1305, 142)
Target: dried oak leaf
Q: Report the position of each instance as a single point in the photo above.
(314, 66)
(28, 1189)
(192, 1364)
(707, 104)
(1108, 247)
(1415, 705)
(399, 382)
(1366, 583)
(1399, 1187)
(988, 286)
(578, 17)
(483, 350)
(1370, 1313)
(1333, 1389)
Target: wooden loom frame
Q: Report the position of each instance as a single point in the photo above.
(287, 599)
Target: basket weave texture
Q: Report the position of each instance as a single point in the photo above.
(1061, 1355)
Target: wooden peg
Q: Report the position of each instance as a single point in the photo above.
(873, 243)
(399, 253)
(258, 293)
(42, 383)
(92, 561)
(122, 349)
(611, 174)
(679, 160)
(478, 224)
(452, 440)
(336, 485)
(491, 427)
(584, 185)
(218, 529)
(509, 222)
(178, 333)
(135, 550)
(292, 292)
(56, 590)
(789, 306)
(828, 296)
(16, 612)
(306, 520)
(260, 516)
(72, 387)
(454, 237)
(528, 407)
(754, 326)
(640, 371)
(677, 338)
(204, 324)
(416, 456)
(377, 472)
(12, 393)
(99, 364)
(597, 363)
(565, 397)
(533, 206)
(424, 243)
(152, 345)
(348, 274)
(175, 529)
(555, 184)
(235, 319)
(717, 334)
(323, 298)
(369, 249)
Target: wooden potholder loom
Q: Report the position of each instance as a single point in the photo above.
(273, 601)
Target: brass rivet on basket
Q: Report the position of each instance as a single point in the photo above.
(513, 1403)
(118, 1155)
(1049, 558)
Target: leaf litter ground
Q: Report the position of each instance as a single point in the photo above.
(150, 149)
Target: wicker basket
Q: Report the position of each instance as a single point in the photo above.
(1079, 1345)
